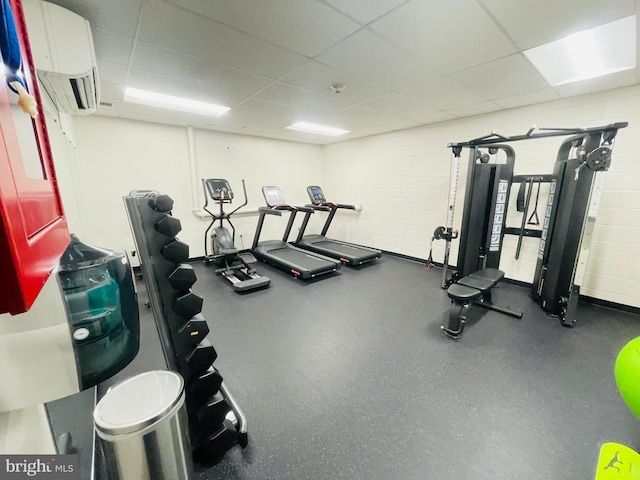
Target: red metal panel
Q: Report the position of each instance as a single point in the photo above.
(34, 231)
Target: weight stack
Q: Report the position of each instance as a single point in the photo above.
(215, 422)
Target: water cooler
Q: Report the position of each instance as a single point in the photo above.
(102, 310)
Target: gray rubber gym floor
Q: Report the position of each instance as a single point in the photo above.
(350, 377)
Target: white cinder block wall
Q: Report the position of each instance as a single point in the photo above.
(116, 156)
(402, 181)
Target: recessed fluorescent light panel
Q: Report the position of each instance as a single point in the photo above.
(318, 129)
(591, 53)
(153, 99)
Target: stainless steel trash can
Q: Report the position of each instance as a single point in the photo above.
(143, 428)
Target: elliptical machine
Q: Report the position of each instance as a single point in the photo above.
(232, 265)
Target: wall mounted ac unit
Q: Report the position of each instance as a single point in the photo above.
(64, 56)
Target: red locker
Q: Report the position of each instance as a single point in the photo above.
(34, 231)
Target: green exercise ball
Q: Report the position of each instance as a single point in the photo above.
(627, 371)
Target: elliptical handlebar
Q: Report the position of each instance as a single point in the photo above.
(246, 200)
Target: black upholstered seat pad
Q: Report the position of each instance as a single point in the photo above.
(492, 274)
(463, 293)
(480, 283)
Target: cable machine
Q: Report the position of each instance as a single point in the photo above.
(575, 187)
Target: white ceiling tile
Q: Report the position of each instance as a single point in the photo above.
(317, 77)
(304, 26)
(360, 118)
(365, 11)
(195, 70)
(266, 107)
(302, 99)
(180, 88)
(530, 98)
(512, 75)
(480, 108)
(376, 60)
(400, 106)
(182, 31)
(243, 120)
(112, 73)
(119, 16)
(607, 82)
(443, 93)
(112, 47)
(111, 91)
(435, 117)
(449, 36)
(550, 20)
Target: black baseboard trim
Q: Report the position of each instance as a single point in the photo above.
(613, 305)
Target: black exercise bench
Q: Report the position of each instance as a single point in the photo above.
(474, 289)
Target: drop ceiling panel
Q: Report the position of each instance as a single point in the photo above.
(246, 120)
(529, 98)
(615, 80)
(112, 73)
(450, 36)
(400, 106)
(370, 57)
(302, 99)
(444, 94)
(512, 75)
(532, 24)
(273, 109)
(365, 12)
(119, 16)
(176, 29)
(112, 47)
(477, 109)
(435, 117)
(304, 26)
(317, 77)
(195, 70)
(180, 88)
(358, 118)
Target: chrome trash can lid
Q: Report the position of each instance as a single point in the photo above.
(138, 402)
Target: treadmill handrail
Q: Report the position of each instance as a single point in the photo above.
(320, 208)
(270, 211)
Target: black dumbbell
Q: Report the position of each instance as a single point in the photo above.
(213, 446)
(213, 412)
(201, 357)
(182, 278)
(195, 330)
(188, 304)
(161, 203)
(175, 251)
(204, 386)
(168, 225)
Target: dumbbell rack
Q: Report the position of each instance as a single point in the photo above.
(216, 422)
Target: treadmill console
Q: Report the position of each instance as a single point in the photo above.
(219, 189)
(316, 195)
(273, 196)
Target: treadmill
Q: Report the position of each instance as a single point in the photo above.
(299, 263)
(347, 253)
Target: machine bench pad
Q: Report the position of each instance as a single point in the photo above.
(492, 274)
(463, 294)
